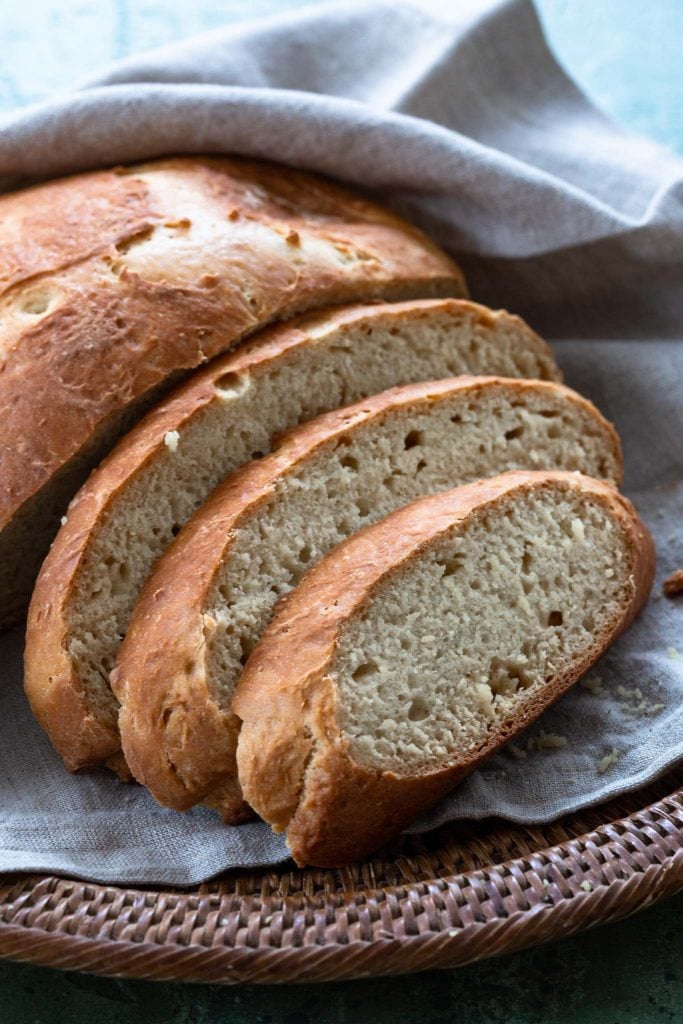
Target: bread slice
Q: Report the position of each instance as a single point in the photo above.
(132, 506)
(424, 643)
(116, 282)
(213, 592)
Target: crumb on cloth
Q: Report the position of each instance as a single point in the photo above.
(606, 762)
(673, 584)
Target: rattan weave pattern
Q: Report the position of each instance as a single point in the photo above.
(448, 898)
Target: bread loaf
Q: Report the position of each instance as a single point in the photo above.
(213, 591)
(425, 642)
(116, 282)
(131, 507)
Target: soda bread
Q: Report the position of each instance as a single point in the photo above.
(212, 593)
(130, 509)
(114, 283)
(425, 642)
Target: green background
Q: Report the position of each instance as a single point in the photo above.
(626, 55)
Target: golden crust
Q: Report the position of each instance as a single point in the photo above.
(53, 685)
(113, 281)
(175, 737)
(294, 764)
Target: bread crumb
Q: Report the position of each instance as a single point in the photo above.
(673, 584)
(587, 887)
(546, 882)
(545, 741)
(550, 741)
(171, 439)
(608, 760)
(64, 520)
(673, 653)
(517, 752)
(594, 685)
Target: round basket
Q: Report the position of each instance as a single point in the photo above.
(456, 895)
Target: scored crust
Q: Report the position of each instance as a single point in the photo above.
(286, 699)
(176, 738)
(57, 693)
(115, 281)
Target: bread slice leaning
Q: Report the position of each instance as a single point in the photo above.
(132, 506)
(424, 643)
(213, 592)
(117, 281)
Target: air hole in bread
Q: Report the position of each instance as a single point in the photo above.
(413, 438)
(391, 483)
(305, 554)
(419, 710)
(137, 239)
(450, 566)
(555, 618)
(456, 419)
(36, 303)
(510, 435)
(175, 529)
(365, 671)
(232, 385)
(349, 462)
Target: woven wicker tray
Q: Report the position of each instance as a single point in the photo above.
(454, 896)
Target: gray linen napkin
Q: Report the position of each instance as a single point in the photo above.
(463, 121)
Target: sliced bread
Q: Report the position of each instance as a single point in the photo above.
(424, 643)
(115, 282)
(133, 505)
(213, 591)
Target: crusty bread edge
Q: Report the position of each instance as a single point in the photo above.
(286, 698)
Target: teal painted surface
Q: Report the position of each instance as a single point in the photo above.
(626, 56)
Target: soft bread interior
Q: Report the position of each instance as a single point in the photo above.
(374, 470)
(331, 369)
(459, 643)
